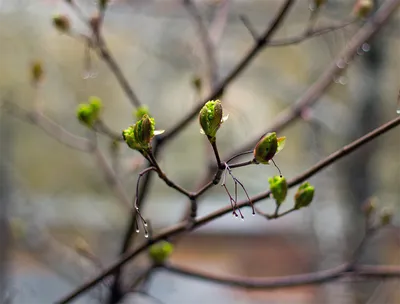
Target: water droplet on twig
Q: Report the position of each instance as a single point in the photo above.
(341, 80)
(366, 47)
(341, 64)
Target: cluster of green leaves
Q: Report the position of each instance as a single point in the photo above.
(88, 113)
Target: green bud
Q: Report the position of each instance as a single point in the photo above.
(141, 111)
(89, 113)
(61, 23)
(386, 216)
(363, 8)
(268, 147)
(139, 135)
(37, 71)
(278, 187)
(129, 137)
(211, 118)
(160, 251)
(96, 106)
(304, 195)
(146, 130)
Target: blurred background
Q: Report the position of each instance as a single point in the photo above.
(53, 197)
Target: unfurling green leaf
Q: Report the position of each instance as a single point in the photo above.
(268, 147)
(89, 113)
(160, 251)
(139, 135)
(278, 187)
(140, 111)
(304, 195)
(211, 118)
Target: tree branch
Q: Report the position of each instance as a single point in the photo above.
(106, 55)
(319, 277)
(179, 228)
(206, 43)
(53, 129)
(311, 96)
(258, 46)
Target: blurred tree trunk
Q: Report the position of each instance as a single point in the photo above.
(358, 183)
(5, 197)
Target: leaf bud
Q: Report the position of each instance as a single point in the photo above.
(278, 187)
(160, 251)
(267, 147)
(211, 118)
(61, 23)
(304, 195)
(37, 71)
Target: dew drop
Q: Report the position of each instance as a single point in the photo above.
(137, 230)
(398, 106)
(366, 47)
(145, 224)
(340, 80)
(146, 234)
(86, 75)
(341, 64)
(242, 219)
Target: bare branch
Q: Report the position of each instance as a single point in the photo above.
(319, 277)
(52, 128)
(206, 44)
(258, 46)
(315, 91)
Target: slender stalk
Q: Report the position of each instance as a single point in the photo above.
(182, 227)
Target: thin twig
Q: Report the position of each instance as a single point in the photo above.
(53, 129)
(319, 277)
(206, 44)
(169, 182)
(308, 35)
(347, 269)
(179, 228)
(258, 46)
(112, 179)
(242, 164)
(101, 127)
(315, 91)
(249, 26)
(106, 55)
(216, 153)
(99, 45)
